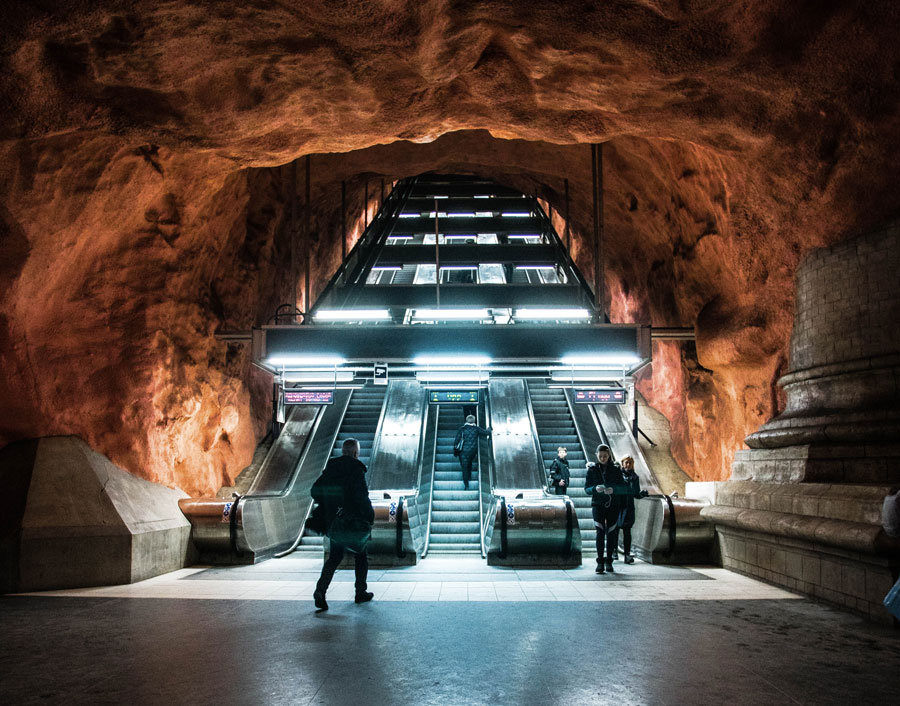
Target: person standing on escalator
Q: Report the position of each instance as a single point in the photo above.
(633, 490)
(465, 446)
(559, 472)
(604, 483)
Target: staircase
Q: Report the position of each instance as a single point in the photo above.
(555, 428)
(454, 510)
(361, 423)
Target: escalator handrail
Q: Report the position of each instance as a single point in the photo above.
(437, 416)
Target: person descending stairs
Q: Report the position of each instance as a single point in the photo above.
(454, 510)
(555, 428)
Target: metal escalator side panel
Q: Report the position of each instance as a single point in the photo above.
(622, 443)
(395, 455)
(517, 459)
(280, 462)
(270, 523)
(420, 505)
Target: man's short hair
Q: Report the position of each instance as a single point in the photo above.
(470, 419)
(604, 447)
(349, 446)
(561, 448)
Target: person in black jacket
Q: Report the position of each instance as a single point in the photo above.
(604, 484)
(467, 435)
(342, 485)
(632, 491)
(559, 472)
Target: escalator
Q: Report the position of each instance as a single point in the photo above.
(556, 428)
(454, 510)
(360, 422)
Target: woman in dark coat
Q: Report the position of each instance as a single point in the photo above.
(603, 480)
(632, 491)
(559, 472)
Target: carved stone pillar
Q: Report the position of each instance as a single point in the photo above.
(803, 508)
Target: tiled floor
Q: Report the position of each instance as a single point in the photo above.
(447, 578)
(449, 632)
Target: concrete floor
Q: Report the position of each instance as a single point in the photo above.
(449, 631)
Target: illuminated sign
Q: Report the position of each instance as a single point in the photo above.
(601, 395)
(309, 396)
(453, 397)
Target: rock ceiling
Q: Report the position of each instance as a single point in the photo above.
(146, 167)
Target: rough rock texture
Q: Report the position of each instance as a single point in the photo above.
(144, 202)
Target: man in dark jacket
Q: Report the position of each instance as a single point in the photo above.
(632, 491)
(467, 436)
(604, 484)
(342, 485)
(559, 472)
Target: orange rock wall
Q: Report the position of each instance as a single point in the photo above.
(145, 155)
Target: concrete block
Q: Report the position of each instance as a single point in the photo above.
(853, 581)
(86, 522)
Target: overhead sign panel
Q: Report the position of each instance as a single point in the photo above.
(453, 397)
(309, 396)
(601, 395)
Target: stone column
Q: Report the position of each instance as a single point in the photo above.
(803, 508)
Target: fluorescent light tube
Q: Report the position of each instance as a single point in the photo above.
(452, 314)
(600, 359)
(352, 315)
(552, 314)
(308, 361)
(452, 361)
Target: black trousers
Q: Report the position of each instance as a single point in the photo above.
(607, 541)
(626, 540)
(465, 462)
(331, 564)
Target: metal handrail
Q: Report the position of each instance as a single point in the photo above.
(486, 491)
(367, 239)
(376, 442)
(437, 417)
(572, 269)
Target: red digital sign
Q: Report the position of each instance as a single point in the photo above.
(309, 396)
(606, 395)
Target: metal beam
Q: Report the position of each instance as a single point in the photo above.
(395, 255)
(477, 295)
(525, 225)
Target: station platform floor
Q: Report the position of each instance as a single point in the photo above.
(448, 631)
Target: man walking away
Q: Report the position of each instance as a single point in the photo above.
(467, 441)
(342, 485)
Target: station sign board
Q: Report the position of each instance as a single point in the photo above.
(601, 395)
(453, 397)
(308, 396)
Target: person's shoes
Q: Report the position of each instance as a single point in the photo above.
(615, 556)
(629, 559)
(364, 597)
(599, 569)
(466, 486)
(609, 567)
(319, 599)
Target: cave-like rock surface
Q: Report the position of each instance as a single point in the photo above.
(146, 157)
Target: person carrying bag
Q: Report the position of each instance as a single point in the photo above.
(342, 494)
